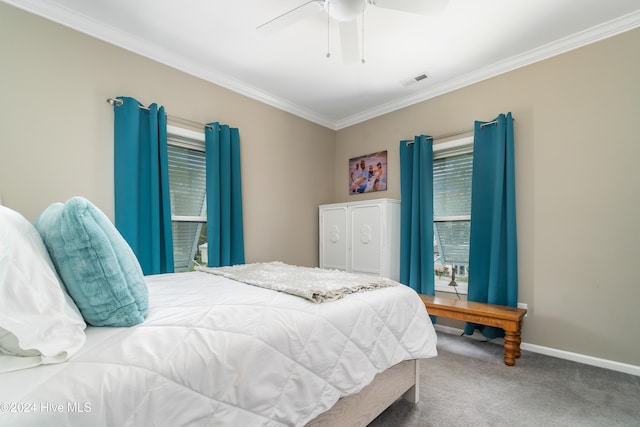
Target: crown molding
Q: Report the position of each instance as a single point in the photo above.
(583, 38)
(111, 35)
(142, 47)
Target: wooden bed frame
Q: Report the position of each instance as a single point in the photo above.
(401, 380)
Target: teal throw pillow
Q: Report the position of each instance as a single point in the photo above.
(97, 266)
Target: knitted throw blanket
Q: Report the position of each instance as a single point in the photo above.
(314, 284)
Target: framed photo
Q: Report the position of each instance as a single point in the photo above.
(368, 173)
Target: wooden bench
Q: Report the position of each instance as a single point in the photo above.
(507, 318)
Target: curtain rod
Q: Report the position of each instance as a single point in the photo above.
(449, 135)
(446, 135)
(118, 102)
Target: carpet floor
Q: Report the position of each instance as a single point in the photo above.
(468, 384)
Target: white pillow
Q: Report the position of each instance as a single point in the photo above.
(39, 323)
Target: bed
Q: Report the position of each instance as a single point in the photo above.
(211, 350)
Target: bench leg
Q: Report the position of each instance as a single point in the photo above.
(518, 340)
(512, 342)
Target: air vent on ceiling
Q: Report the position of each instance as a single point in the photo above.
(420, 77)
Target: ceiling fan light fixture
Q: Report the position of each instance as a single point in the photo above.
(344, 10)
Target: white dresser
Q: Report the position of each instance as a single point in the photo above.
(361, 237)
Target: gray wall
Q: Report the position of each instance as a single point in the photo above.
(577, 138)
(57, 133)
(576, 152)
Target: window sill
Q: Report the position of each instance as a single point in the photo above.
(462, 290)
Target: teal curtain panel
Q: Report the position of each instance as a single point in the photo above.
(416, 214)
(141, 183)
(493, 253)
(225, 232)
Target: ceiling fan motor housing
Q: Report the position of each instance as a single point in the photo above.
(344, 10)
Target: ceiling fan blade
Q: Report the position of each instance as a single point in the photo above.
(290, 17)
(349, 42)
(420, 7)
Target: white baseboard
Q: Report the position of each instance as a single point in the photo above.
(561, 354)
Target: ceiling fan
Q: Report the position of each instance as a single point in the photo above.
(346, 13)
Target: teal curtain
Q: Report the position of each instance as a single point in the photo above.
(416, 214)
(141, 183)
(225, 233)
(493, 253)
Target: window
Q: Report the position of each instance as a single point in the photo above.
(452, 169)
(187, 185)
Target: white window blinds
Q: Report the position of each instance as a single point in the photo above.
(187, 182)
(452, 207)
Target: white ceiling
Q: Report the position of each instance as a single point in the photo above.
(217, 40)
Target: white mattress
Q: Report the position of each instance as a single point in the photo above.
(215, 352)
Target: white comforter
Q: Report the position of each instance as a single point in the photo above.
(214, 352)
